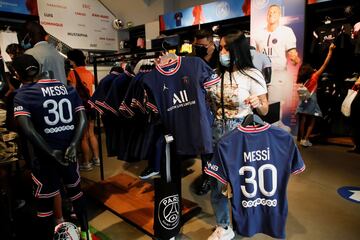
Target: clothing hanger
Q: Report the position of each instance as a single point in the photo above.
(168, 57)
(327, 20)
(252, 119)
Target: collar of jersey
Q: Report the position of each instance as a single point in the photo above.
(253, 129)
(161, 67)
(48, 81)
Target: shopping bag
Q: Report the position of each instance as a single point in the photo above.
(346, 104)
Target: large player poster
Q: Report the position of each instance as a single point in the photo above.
(277, 29)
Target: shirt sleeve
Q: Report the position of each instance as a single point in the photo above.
(258, 85)
(209, 77)
(214, 168)
(71, 78)
(297, 163)
(21, 107)
(290, 40)
(311, 85)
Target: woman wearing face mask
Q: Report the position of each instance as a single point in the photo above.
(241, 90)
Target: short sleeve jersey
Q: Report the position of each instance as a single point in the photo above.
(52, 107)
(257, 163)
(177, 91)
(236, 90)
(276, 44)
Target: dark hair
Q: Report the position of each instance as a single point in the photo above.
(77, 56)
(203, 33)
(14, 49)
(239, 49)
(305, 72)
(36, 32)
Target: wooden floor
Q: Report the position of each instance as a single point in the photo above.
(133, 200)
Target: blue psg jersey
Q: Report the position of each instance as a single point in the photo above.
(257, 163)
(51, 106)
(177, 92)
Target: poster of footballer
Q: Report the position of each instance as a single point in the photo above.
(277, 30)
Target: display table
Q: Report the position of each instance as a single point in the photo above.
(133, 200)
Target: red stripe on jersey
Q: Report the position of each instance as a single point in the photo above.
(253, 129)
(44, 214)
(168, 73)
(48, 81)
(152, 107)
(110, 108)
(210, 173)
(80, 108)
(93, 105)
(77, 196)
(299, 170)
(212, 82)
(21, 113)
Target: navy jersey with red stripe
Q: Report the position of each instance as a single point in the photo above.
(177, 92)
(257, 163)
(51, 106)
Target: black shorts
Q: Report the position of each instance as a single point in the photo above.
(48, 179)
(90, 114)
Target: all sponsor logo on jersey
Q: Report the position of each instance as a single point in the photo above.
(180, 100)
(212, 167)
(168, 212)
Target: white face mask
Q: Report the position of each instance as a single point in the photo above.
(225, 60)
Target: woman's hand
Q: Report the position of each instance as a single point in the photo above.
(253, 101)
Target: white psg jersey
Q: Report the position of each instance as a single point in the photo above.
(276, 44)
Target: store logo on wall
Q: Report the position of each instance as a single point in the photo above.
(223, 9)
(260, 4)
(169, 212)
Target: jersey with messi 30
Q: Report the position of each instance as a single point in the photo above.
(51, 106)
(257, 162)
(177, 92)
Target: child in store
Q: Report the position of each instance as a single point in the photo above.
(308, 108)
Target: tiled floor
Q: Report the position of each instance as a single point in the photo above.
(316, 211)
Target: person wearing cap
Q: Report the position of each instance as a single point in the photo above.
(47, 56)
(52, 118)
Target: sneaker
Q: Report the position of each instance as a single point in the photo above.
(221, 233)
(96, 162)
(86, 167)
(147, 173)
(305, 143)
(83, 235)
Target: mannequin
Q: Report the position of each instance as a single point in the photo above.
(52, 118)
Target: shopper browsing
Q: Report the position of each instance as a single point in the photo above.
(308, 108)
(83, 81)
(241, 89)
(206, 50)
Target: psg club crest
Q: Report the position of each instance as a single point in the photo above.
(260, 4)
(168, 212)
(223, 9)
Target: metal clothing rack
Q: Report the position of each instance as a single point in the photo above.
(115, 58)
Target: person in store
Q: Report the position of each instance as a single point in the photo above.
(279, 43)
(241, 90)
(355, 120)
(13, 50)
(52, 119)
(205, 49)
(79, 78)
(308, 108)
(47, 56)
